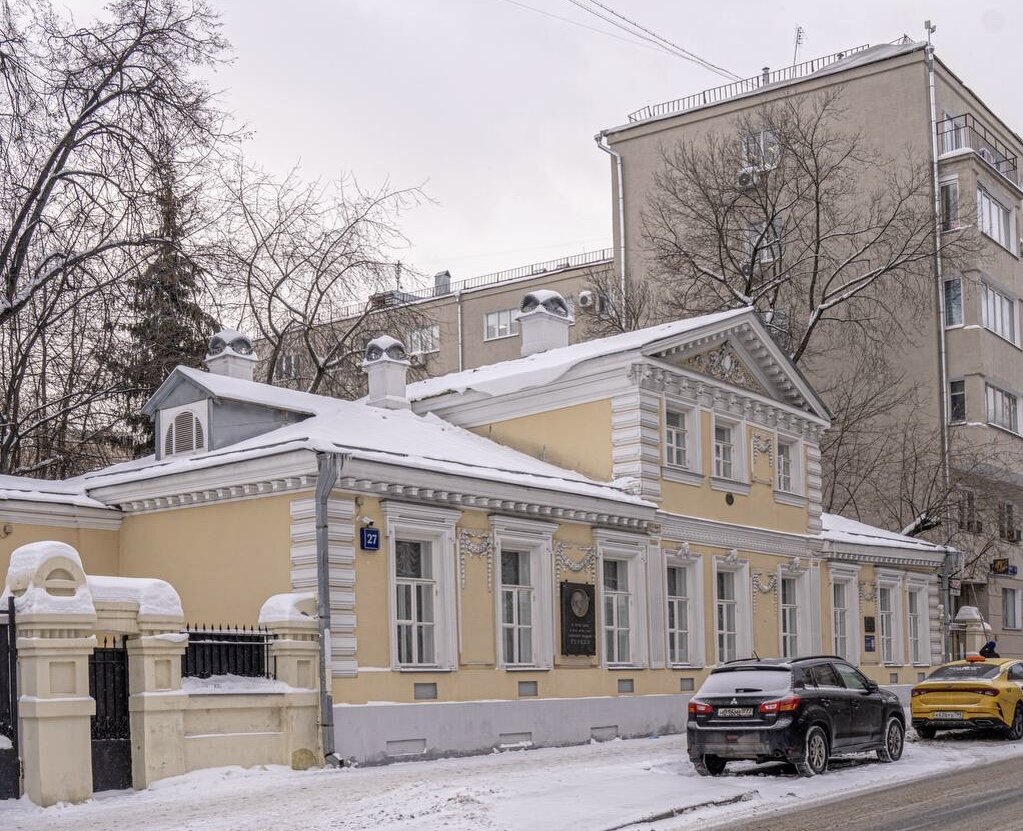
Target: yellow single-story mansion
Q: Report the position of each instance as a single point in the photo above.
(542, 551)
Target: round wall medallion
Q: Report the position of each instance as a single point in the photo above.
(729, 499)
(580, 603)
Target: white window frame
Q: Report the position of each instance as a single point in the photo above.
(952, 396)
(950, 222)
(894, 583)
(511, 324)
(990, 210)
(743, 606)
(200, 411)
(956, 319)
(419, 523)
(760, 159)
(1017, 608)
(692, 473)
(739, 464)
(419, 339)
(996, 399)
(999, 313)
(807, 620)
(537, 540)
(415, 621)
(795, 446)
(693, 568)
(922, 586)
(631, 550)
(849, 577)
(289, 366)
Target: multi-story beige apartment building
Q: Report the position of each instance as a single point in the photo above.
(964, 355)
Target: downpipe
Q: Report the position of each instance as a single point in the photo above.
(601, 139)
(328, 468)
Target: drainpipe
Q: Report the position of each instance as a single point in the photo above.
(601, 139)
(328, 467)
(458, 304)
(947, 564)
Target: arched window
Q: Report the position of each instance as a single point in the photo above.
(183, 434)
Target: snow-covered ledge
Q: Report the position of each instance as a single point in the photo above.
(136, 605)
(293, 621)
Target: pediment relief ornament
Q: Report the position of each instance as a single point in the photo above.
(587, 564)
(724, 364)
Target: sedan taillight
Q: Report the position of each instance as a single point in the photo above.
(780, 705)
(699, 708)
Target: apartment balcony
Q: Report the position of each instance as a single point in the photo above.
(964, 134)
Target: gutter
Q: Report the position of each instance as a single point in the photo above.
(601, 139)
(461, 346)
(328, 467)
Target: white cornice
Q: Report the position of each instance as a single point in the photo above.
(60, 515)
(881, 555)
(728, 535)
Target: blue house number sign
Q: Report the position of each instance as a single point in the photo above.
(369, 539)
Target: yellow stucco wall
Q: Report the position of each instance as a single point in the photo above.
(224, 559)
(577, 437)
(97, 548)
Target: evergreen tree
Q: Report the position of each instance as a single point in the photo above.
(167, 324)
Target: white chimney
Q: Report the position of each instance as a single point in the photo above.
(386, 365)
(230, 353)
(544, 318)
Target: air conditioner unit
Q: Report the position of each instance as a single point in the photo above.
(746, 178)
(591, 301)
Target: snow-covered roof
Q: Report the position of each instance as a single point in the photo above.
(67, 492)
(423, 442)
(835, 528)
(543, 368)
(237, 389)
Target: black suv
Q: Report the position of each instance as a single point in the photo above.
(798, 710)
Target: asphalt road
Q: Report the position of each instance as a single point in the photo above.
(984, 797)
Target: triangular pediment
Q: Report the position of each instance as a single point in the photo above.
(743, 355)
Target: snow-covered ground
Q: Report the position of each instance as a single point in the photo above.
(591, 788)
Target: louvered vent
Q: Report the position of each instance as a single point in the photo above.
(184, 435)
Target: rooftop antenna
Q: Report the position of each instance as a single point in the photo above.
(800, 37)
(930, 29)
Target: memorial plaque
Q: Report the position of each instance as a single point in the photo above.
(578, 619)
(868, 643)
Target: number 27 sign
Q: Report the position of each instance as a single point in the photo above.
(369, 539)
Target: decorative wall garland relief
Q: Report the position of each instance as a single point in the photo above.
(765, 583)
(763, 446)
(475, 544)
(588, 563)
(868, 590)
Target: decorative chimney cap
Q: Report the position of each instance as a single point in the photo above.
(228, 341)
(545, 301)
(385, 348)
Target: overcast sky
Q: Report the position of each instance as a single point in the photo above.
(493, 106)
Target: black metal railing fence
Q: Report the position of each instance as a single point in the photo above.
(228, 650)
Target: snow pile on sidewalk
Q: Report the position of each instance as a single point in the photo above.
(588, 788)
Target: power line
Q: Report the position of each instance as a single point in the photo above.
(651, 36)
(632, 40)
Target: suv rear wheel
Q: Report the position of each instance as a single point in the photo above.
(815, 753)
(709, 765)
(894, 740)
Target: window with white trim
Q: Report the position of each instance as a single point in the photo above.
(289, 367)
(424, 340)
(678, 615)
(1002, 409)
(726, 616)
(913, 619)
(957, 401)
(761, 149)
(676, 437)
(998, 313)
(789, 470)
(524, 603)
(1010, 609)
(886, 623)
(994, 219)
(500, 324)
(415, 603)
(516, 608)
(953, 301)
(617, 612)
(789, 618)
(949, 205)
(184, 428)
(840, 619)
(724, 450)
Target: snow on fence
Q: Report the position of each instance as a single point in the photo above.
(228, 651)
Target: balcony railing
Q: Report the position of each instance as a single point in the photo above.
(964, 132)
(743, 87)
(390, 299)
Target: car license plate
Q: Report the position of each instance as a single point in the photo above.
(735, 712)
(947, 715)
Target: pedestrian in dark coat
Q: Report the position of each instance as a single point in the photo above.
(988, 650)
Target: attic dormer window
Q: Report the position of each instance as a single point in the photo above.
(183, 430)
